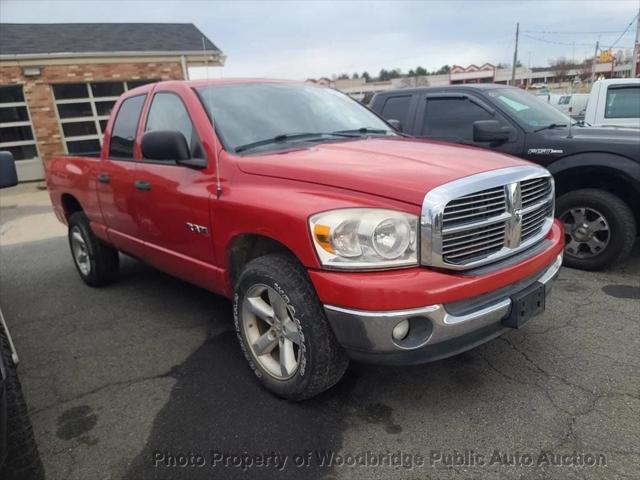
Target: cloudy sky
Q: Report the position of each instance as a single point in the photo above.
(291, 39)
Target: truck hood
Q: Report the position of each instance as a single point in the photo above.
(398, 168)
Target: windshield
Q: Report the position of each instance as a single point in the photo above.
(244, 114)
(528, 108)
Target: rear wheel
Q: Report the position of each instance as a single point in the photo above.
(283, 330)
(96, 262)
(600, 228)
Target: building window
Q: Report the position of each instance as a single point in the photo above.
(16, 132)
(83, 111)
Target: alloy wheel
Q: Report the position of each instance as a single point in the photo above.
(271, 332)
(80, 251)
(587, 232)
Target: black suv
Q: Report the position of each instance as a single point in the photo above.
(596, 170)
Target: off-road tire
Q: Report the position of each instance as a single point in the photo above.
(323, 361)
(22, 460)
(621, 222)
(104, 259)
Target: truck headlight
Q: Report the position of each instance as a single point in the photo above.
(365, 238)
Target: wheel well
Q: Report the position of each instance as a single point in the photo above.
(245, 248)
(606, 179)
(70, 205)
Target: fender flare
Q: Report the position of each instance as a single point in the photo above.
(616, 164)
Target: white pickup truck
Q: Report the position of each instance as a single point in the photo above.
(614, 102)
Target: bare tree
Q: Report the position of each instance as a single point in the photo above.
(415, 81)
(585, 69)
(560, 68)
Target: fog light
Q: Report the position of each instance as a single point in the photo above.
(401, 330)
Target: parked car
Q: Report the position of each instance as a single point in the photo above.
(614, 102)
(19, 459)
(334, 236)
(573, 104)
(596, 170)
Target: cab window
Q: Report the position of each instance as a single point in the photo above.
(123, 134)
(396, 108)
(623, 102)
(452, 119)
(168, 112)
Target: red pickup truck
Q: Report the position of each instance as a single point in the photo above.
(335, 236)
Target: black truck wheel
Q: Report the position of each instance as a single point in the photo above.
(22, 461)
(283, 330)
(600, 228)
(96, 262)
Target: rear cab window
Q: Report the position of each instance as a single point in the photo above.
(125, 126)
(622, 102)
(397, 108)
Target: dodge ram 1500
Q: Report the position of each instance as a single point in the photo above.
(335, 236)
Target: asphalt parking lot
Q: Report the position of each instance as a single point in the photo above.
(130, 380)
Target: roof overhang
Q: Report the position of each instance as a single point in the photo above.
(204, 56)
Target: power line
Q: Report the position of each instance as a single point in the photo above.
(625, 30)
(544, 32)
(555, 42)
(526, 32)
(569, 44)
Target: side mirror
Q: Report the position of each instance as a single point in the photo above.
(8, 174)
(490, 131)
(165, 145)
(169, 146)
(395, 124)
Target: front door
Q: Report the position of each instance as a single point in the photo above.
(450, 117)
(173, 200)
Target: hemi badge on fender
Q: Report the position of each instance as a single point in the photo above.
(197, 228)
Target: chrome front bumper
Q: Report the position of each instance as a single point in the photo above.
(436, 331)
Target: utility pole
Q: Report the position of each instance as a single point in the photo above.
(636, 48)
(593, 64)
(515, 56)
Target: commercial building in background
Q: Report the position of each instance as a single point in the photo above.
(362, 90)
(58, 82)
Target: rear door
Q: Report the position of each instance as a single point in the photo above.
(450, 116)
(172, 200)
(115, 177)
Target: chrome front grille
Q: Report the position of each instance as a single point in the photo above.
(475, 207)
(482, 218)
(533, 220)
(535, 190)
(456, 247)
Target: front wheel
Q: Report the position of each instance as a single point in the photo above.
(283, 330)
(599, 228)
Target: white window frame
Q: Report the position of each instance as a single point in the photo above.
(94, 117)
(22, 123)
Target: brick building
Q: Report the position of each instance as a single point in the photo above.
(58, 82)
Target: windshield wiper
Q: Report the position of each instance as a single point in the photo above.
(291, 136)
(365, 131)
(550, 126)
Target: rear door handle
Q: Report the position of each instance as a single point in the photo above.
(142, 185)
(104, 178)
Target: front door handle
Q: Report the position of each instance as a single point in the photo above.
(104, 178)
(142, 185)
